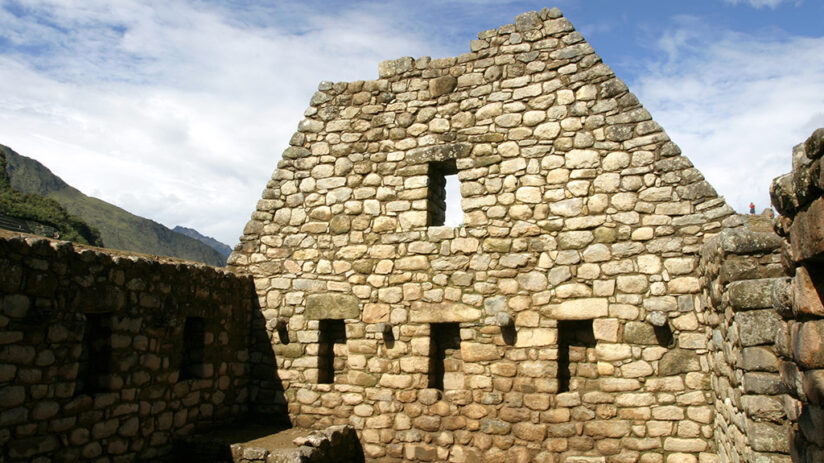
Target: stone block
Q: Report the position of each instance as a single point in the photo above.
(807, 291)
(751, 294)
(759, 359)
(807, 232)
(743, 241)
(808, 344)
(332, 306)
(536, 337)
(476, 352)
(442, 85)
(763, 383)
(768, 437)
(444, 312)
(757, 326)
(580, 309)
(639, 333)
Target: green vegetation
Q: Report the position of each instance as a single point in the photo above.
(118, 228)
(43, 210)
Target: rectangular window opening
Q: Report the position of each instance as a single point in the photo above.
(95, 363)
(576, 344)
(444, 198)
(194, 346)
(444, 353)
(332, 344)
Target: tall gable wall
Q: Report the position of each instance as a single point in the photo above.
(582, 223)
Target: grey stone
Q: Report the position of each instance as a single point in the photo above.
(757, 326)
(441, 85)
(639, 333)
(678, 361)
(332, 306)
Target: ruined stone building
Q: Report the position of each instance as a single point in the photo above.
(599, 303)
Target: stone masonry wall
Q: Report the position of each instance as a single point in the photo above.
(798, 198)
(744, 285)
(572, 286)
(105, 357)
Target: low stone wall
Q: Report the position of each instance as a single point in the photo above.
(743, 284)
(798, 197)
(107, 355)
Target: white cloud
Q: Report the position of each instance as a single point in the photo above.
(736, 104)
(176, 112)
(758, 3)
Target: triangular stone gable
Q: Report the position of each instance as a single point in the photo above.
(577, 207)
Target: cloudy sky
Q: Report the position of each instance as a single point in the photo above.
(178, 110)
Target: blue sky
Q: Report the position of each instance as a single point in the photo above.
(178, 110)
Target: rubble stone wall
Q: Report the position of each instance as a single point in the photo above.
(109, 358)
(744, 285)
(798, 197)
(579, 215)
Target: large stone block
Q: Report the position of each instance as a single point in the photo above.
(677, 361)
(444, 312)
(807, 232)
(807, 289)
(757, 326)
(752, 294)
(332, 306)
(580, 309)
(808, 344)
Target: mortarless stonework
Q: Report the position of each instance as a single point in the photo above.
(579, 251)
(798, 197)
(600, 304)
(92, 363)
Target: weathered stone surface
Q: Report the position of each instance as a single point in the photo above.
(422, 312)
(678, 361)
(751, 294)
(757, 326)
(441, 86)
(639, 333)
(332, 306)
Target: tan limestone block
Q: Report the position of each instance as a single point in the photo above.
(579, 309)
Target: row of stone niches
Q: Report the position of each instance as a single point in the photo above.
(97, 362)
(577, 362)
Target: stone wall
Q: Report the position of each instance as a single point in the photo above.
(563, 318)
(107, 357)
(798, 197)
(744, 285)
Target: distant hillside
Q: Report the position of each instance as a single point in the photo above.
(34, 213)
(118, 228)
(223, 249)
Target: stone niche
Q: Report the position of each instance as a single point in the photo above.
(562, 319)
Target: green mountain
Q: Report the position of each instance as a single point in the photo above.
(119, 229)
(218, 246)
(37, 214)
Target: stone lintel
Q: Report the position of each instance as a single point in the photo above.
(580, 309)
(332, 306)
(438, 153)
(444, 312)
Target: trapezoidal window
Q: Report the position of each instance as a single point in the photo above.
(445, 364)
(194, 346)
(331, 350)
(444, 198)
(576, 355)
(95, 363)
